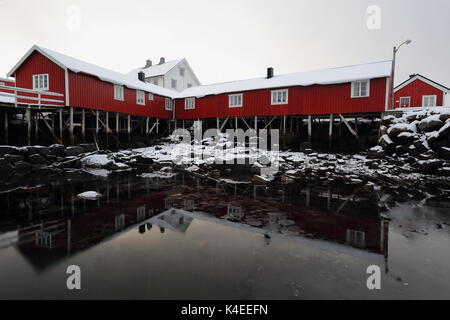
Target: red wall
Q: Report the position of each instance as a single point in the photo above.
(38, 64)
(7, 83)
(87, 91)
(314, 100)
(416, 90)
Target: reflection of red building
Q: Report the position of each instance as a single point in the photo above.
(46, 243)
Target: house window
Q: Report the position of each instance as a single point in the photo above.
(429, 101)
(280, 97)
(151, 97)
(155, 82)
(169, 104)
(140, 97)
(118, 92)
(182, 72)
(40, 82)
(405, 102)
(189, 103)
(361, 89)
(235, 100)
(174, 84)
(356, 238)
(189, 85)
(2, 83)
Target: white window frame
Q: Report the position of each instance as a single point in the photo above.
(169, 104)
(140, 97)
(275, 95)
(119, 92)
(401, 104)
(182, 72)
(233, 100)
(352, 238)
(189, 103)
(172, 82)
(428, 97)
(38, 77)
(359, 95)
(151, 96)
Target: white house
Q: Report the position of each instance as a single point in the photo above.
(175, 75)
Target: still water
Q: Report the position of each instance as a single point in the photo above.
(184, 238)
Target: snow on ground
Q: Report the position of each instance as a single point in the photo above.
(96, 161)
(7, 97)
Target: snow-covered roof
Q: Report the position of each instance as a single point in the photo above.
(156, 70)
(7, 80)
(424, 79)
(78, 66)
(320, 77)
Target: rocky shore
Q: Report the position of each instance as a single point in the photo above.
(413, 155)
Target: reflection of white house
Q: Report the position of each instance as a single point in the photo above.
(175, 75)
(235, 212)
(119, 222)
(174, 220)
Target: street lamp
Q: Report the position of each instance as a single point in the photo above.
(393, 71)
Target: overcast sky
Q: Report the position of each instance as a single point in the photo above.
(232, 39)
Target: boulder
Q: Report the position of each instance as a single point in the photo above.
(99, 161)
(74, 151)
(57, 150)
(43, 151)
(12, 158)
(429, 166)
(21, 166)
(395, 130)
(4, 150)
(445, 153)
(376, 153)
(406, 137)
(430, 123)
(387, 143)
(443, 172)
(5, 165)
(88, 147)
(36, 159)
(144, 160)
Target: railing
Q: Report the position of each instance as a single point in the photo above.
(39, 97)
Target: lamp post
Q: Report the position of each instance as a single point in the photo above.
(393, 71)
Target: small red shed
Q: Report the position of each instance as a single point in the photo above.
(419, 91)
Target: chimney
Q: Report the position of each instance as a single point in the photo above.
(148, 64)
(269, 73)
(141, 76)
(162, 60)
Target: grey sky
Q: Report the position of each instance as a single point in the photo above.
(233, 39)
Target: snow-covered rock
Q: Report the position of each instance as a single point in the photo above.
(100, 161)
(430, 123)
(89, 195)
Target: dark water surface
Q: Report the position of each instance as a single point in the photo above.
(183, 238)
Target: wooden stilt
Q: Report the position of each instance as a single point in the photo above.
(36, 125)
(235, 123)
(349, 127)
(330, 132)
(218, 123)
(157, 126)
(29, 127)
(117, 130)
(147, 125)
(6, 126)
(72, 137)
(129, 128)
(97, 127)
(107, 128)
(61, 127)
(284, 124)
(256, 124)
(83, 125)
(309, 128)
(356, 125)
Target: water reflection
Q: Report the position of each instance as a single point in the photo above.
(50, 224)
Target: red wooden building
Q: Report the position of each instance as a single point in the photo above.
(419, 91)
(347, 90)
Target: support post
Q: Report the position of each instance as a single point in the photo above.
(330, 132)
(309, 128)
(117, 129)
(256, 124)
(72, 137)
(96, 122)
(61, 127)
(83, 125)
(107, 128)
(129, 127)
(6, 126)
(29, 127)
